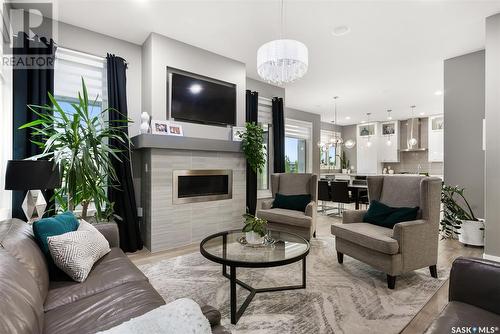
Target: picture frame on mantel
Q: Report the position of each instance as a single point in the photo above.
(174, 129)
(159, 127)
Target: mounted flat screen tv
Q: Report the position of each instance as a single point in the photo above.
(202, 100)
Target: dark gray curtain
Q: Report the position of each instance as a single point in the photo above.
(30, 86)
(252, 100)
(122, 196)
(278, 135)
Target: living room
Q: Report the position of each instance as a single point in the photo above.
(249, 166)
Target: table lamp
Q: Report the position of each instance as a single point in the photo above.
(33, 176)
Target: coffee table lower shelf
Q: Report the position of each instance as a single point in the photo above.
(237, 313)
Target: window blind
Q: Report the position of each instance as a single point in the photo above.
(298, 129)
(71, 66)
(264, 111)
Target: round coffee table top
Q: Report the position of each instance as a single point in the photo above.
(225, 248)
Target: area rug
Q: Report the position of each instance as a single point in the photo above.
(350, 298)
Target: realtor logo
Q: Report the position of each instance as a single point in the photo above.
(27, 34)
(474, 330)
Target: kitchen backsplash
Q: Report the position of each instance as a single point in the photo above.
(409, 163)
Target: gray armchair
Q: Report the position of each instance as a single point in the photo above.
(409, 245)
(301, 223)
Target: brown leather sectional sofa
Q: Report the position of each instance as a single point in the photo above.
(114, 292)
(474, 298)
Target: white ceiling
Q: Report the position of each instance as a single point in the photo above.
(392, 57)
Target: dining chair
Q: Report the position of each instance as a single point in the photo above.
(340, 194)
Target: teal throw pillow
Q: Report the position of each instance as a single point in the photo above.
(386, 216)
(56, 225)
(292, 202)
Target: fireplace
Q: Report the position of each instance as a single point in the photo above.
(202, 185)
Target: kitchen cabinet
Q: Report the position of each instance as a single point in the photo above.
(388, 148)
(436, 138)
(367, 144)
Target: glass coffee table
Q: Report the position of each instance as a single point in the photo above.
(228, 249)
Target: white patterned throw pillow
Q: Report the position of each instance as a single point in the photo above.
(76, 252)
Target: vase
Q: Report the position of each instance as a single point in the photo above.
(471, 232)
(254, 238)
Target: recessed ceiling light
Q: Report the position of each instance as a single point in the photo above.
(347, 117)
(341, 30)
(438, 92)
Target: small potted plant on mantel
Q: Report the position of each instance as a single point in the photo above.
(255, 229)
(458, 221)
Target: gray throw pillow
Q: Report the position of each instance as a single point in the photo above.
(76, 252)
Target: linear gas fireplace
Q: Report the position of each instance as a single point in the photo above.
(202, 185)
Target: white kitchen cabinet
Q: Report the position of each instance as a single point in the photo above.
(388, 148)
(367, 144)
(436, 138)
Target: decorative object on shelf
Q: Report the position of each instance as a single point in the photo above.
(33, 176)
(388, 129)
(81, 151)
(174, 129)
(337, 138)
(460, 221)
(349, 143)
(238, 133)
(412, 141)
(282, 61)
(344, 162)
(145, 123)
(255, 229)
(252, 145)
(159, 127)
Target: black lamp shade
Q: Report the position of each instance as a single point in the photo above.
(31, 175)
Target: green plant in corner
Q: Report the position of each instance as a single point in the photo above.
(453, 201)
(254, 224)
(78, 142)
(252, 145)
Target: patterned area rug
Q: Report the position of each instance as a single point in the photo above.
(350, 298)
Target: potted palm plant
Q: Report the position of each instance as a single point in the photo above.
(77, 141)
(252, 145)
(459, 219)
(255, 229)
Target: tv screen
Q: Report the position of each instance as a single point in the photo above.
(202, 101)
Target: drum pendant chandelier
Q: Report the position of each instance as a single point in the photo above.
(282, 61)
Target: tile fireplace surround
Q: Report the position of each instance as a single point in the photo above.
(168, 225)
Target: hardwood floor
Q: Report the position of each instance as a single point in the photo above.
(449, 250)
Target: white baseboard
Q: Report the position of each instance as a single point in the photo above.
(491, 257)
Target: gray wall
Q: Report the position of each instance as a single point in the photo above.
(464, 93)
(265, 90)
(160, 52)
(492, 246)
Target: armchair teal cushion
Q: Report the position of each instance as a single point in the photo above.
(292, 202)
(386, 216)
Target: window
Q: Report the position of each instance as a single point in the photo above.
(329, 157)
(265, 119)
(298, 157)
(70, 67)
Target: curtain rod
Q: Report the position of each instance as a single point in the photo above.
(87, 53)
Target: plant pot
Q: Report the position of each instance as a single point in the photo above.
(254, 238)
(471, 232)
(344, 171)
